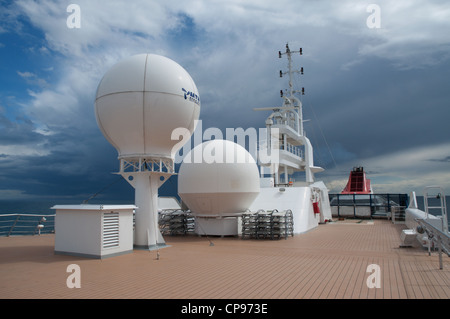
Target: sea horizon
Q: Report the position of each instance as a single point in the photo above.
(44, 206)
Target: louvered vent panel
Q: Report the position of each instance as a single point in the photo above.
(110, 230)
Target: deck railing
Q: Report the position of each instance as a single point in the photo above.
(398, 214)
(441, 239)
(26, 224)
(366, 205)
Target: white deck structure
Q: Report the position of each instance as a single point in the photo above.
(285, 151)
(94, 231)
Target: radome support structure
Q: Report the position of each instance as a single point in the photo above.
(146, 177)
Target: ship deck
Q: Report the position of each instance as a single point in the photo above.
(328, 262)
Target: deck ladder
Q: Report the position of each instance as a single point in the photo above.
(430, 196)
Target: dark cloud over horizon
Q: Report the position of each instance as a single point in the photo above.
(374, 97)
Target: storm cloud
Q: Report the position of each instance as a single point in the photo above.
(376, 97)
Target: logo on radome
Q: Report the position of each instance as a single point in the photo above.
(191, 96)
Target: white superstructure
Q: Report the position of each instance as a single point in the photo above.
(287, 150)
(287, 144)
(218, 191)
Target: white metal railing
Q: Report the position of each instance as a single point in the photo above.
(146, 164)
(296, 150)
(435, 202)
(26, 224)
(293, 149)
(440, 238)
(398, 214)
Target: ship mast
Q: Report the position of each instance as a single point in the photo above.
(287, 146)
(291, 100)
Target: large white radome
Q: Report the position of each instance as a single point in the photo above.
(217, 184)
(141, 100)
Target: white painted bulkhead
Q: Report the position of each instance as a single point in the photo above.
(299, 201)
(324, 201)
(217, 226)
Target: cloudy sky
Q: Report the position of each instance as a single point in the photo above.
(376, 81)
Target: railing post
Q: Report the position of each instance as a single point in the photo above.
(388, 203)
(13, 225)
(38, 228)
(354, 206)
(440, 253)
(339, 206)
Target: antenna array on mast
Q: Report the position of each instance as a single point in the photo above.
(291, 104)
(286, 138)
(289, 53)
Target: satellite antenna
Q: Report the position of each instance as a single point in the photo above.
(220, 187)
(140, 102)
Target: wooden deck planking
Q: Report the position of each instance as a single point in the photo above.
(328, 262)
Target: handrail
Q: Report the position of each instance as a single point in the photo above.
(442, 239)
(380, 204)
(442, 203)
(26, 224)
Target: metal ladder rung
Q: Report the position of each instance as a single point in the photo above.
(442, 204)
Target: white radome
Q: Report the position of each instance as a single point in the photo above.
(141, 100)
(213, 183)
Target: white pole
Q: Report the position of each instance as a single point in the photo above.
(286, 180)
(147, 234)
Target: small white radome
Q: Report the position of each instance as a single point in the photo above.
(223, 181)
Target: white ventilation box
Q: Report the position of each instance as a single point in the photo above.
(94, 231)
(408, 237)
